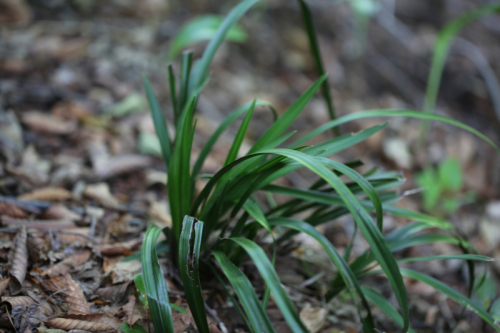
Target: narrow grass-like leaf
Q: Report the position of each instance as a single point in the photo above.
(254, 210)
(199, 29)
(161, 248)
(391, 113)
(283, 123)
(442, 45)
(200, 70)
(453, 294)
(186, 64)
(238, 140)
(269, 275)
(475, 257)
(246, 294)
(173, 92)
(384, 305)
(155, 285)
(188, 267)
(316, 53)
(368, 228)
(179, 184)
(344, 269)
(159, 122)
(222, 127)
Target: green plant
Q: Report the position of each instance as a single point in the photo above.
(237, 206)
(442, 187)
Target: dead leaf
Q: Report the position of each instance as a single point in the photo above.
(3, 284)
(69, 263)
(38, 246)
(313, 318)
(18, 300)
(11, 137)
(15, 11)
(77, 304)
(122, 164)
(47, 194)
(54, 284)
(60, 212)
(134, 310)
(12, 210)
(33, 169)
(91, 322)
(18, 260)
(115, 294)
(116, 249)
(100, 193)
(47, 123)
(40, 225)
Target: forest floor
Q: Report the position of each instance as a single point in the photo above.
(78, 166)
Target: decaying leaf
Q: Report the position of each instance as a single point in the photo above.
(38, 246)
(60, 212)
(115, 294)
(69, 263)
(88, 278)
(313, 318)
(134, 310)
(43, 122)
(17, 300)
(12, 210)
(100, 193)
(47, 194)
(54, 284)
(77, 304)
(91, 322)
(3, 284)
(18, 260)
(39, 225)
(119, 165)
(116, 249)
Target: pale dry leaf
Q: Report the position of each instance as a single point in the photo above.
(47, 194)
(38, 225)
(314, 318)
(18, 260)
(12, 210)
(69, 263)
(17, 300)
(100, 193)
(77, 304)
(60, 212)
(91, 322)
(134, 310)
(47, 123)
(3, 284)
(115, 294)
(122, 164)
(123, 248)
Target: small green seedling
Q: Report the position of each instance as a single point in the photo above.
(442, 188)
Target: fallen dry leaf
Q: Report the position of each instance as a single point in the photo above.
(134, 310)
(314, 318)
(18, 300)
(91, 322)
(60, 212)
(12, 210)
(47, 194)
(18, 260)
(115, 294)
(39, 225)
(100, 193)
(77, 304)
(69, 263)
(122, 164)
(123, 248)
(44, 122)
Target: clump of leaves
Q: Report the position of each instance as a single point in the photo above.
(237, 206)
(442, 187)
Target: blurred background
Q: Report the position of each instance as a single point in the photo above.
(72, 107)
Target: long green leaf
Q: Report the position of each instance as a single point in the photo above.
(246, 294)
(283, 123)
(475, 257)
(391, 113)
(199, 29)
(269, 275)
(340, 263)
(316, 53)
(215, 136)
(199, 74)
(368, 228)
(384, 305)
(179, 184)
(453, 294)
(240, 136)
(155, 284)
(159, 122)
(442, 45)
(188, 267)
